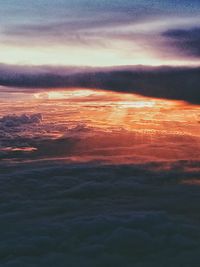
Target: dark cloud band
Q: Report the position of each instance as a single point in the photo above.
(185, 41)
(162, 82)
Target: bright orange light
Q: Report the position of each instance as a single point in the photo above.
(67, 94)
(112, 126)
(18, 149)
(135, 104)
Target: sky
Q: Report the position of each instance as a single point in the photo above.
(98, 178)
(99, 32)
(99, 133)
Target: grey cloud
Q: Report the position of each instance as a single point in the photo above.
(185, 41)
(84, 22)
(87, 28)
(180, 83)
(89, 215)
(14, 120)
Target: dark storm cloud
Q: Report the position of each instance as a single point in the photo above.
(162, 82)
(185, 41)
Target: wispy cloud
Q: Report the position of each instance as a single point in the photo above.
(117, 28)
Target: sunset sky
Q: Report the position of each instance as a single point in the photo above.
(100, 32)
(99, 133)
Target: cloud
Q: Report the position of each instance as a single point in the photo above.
(93, 214)
(73, 23)
(91, 23)
(14, 132)
(77, 142)
(185, 41)
(179, 83)
(14, 120)
(90, 215)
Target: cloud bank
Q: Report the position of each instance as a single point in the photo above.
(179, 83)
(55, 213)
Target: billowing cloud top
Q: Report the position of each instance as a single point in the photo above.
(85, 32)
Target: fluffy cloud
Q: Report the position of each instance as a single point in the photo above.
(16, 133)
(14, 120)
(53, 213)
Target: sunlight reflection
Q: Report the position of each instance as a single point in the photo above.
(103, 125)
(67, 94)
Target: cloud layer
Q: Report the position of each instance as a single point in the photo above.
(59, 214)
(162, 82)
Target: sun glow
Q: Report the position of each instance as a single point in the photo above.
(18, 149)
(122, 100)
(135, 104)
(104, 109)
(113, 126)
(67, 94)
